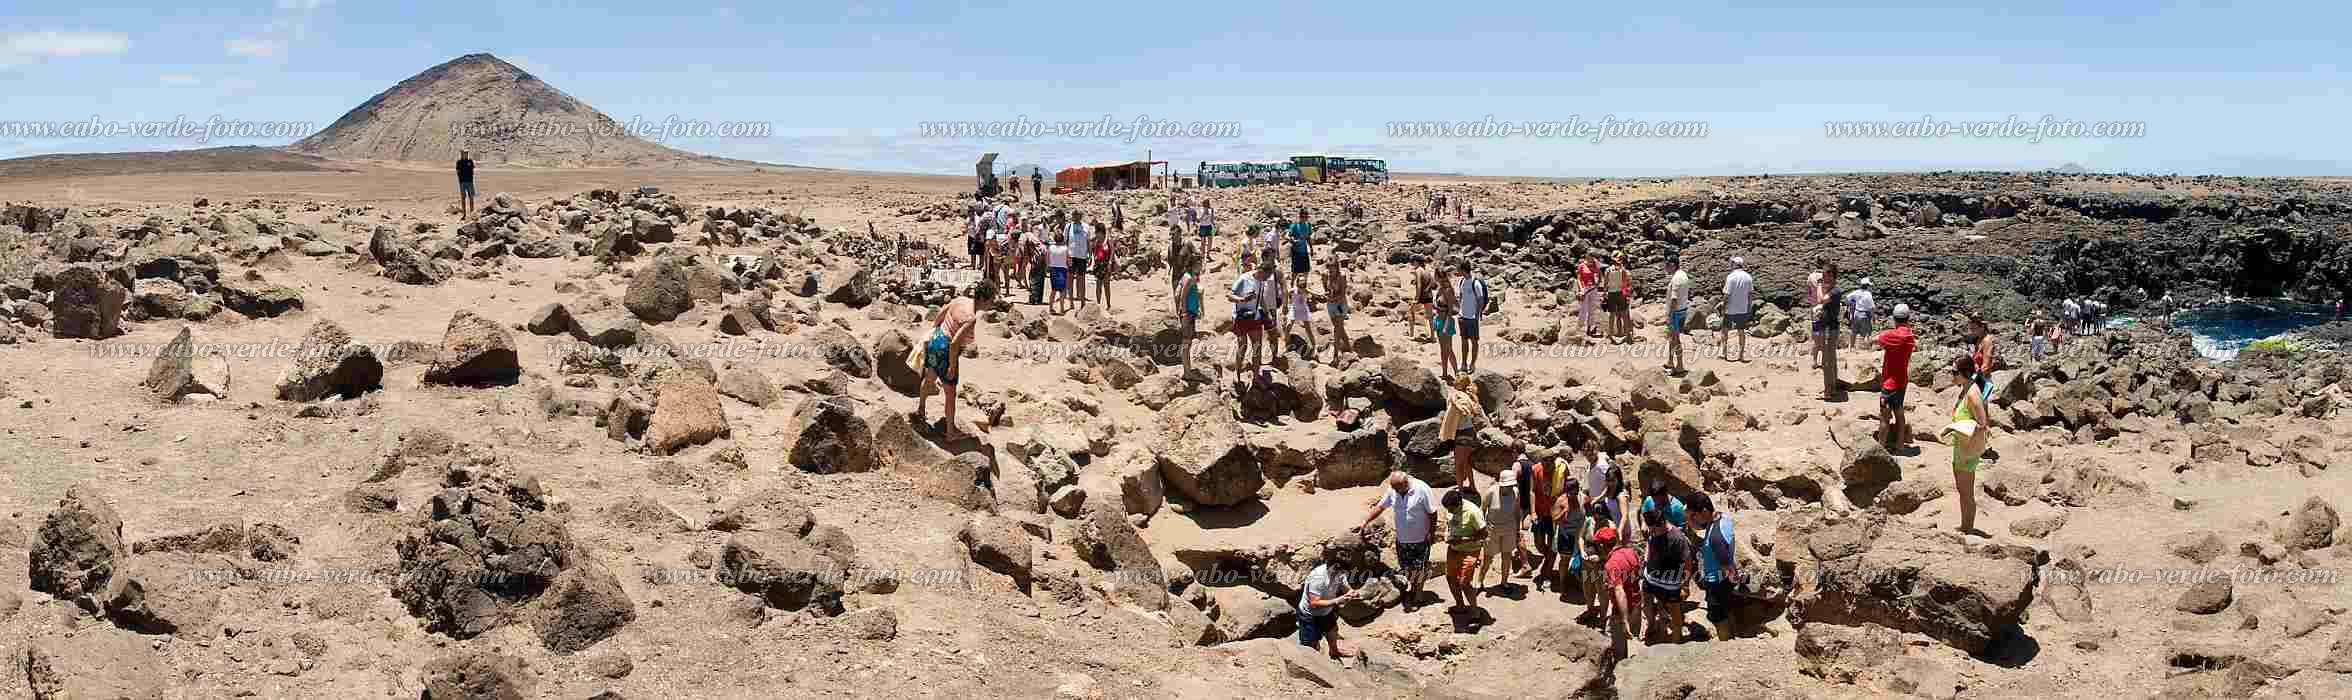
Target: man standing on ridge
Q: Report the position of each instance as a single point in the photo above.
(1739, 290)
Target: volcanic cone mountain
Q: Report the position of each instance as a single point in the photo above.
(501, 113)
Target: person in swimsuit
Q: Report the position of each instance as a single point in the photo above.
(1188, 309)
(1335, 288)
(955, 328)
(1968, 450)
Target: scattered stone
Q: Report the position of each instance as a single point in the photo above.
(659, 291)
(475, 351)
(489, 551)
(328, 363)
(76, 551)
(94, 662)
(476, 675)
(177, 371)
(686, 412)
(832, 439)
(550, 319)
(2205, 597)
(86, 303)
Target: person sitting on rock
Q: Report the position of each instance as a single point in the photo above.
(953, 329)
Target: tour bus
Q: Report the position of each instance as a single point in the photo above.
(1370, 171)
(1310, 167)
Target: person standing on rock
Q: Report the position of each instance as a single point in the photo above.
(1335, 288)
(1105, 260)
(465, 184)
(1473, 305)
(975, 239)
(1424, 299)
(1718, 560)
(1081, 252)
(1441, 322)
(1825, 323)
(1657, 498)
(1206, 216)
(1568, 555)
(1620, 592)
(1983, 356)
(1057, 268)
(1301, 236)
(1416, 528)
(1302, 314)
(1249, 321)
(953, 329)
(1588, 293)
(1969, 434)
(1813, 295)
(1505, 509)
(1188, 309)
(1620, 284)
(1894, 427)
(1320, 596)
(1466, 535)
(1458, 430)
(1678, 288)
(1541, 481)
(1739, 292)
(1859, 306)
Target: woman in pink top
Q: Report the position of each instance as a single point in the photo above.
(1588, 292)
(1104, 264)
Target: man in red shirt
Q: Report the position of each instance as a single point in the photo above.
(1624, 580)
(1898, 342)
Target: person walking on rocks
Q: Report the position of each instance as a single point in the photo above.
(1301, 235)
(1458, 430)
(1568, 535)
(954, 329)
(1466, 535)
(1859, 306)
(1983, 355)
(1894, 427)
(1320, 596)
(1620, 284)
(1441, 322)
(1416, 528)
(1813, 295)
(1969, 434)
(1302, 314)
(1188, 310)
(1718, 562)
(1057, 263)
(1505, 510)
(1665, 570)
(1335, 289)
(1588, 294)
(1105, 262)
(465, 184)
(1206, 218)
(1739, 311)
(1620, 592)
(1472, 298)
(1678, 288)
(1541, 484)
(1424, 299)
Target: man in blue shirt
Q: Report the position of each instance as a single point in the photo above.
(1656, 498)
(1718, 562)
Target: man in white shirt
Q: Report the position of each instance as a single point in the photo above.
(1326, 587)
(1859, 306)
(1080, 249)
(1416, 528)
(1739, 291)
(1678, 284)
(1472, 293)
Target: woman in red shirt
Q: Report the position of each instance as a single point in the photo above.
(1105, 249)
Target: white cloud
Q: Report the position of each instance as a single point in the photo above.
(178, 80)
(255, 47)
(28, 47)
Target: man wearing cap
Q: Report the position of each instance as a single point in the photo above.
(1678, 284)
(1859, 305)
(1416, 526)
(1898, 342)
(1739, 291)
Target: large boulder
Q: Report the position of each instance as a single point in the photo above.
(94, 662)
(402, 261)
(769, 510)
(478, 675)
(894, 365)
(1103, 538)
(2313, 526)
(1204, 453)
(659, 291)
(552, 318)
(178, 371)
(475, 351)
(832, 438)
(842, 351)
(608, 329)
(1872, 569)
(1000, 545)
(86, 302)
(1552, 659)
(786, 572)
(174, 593)
(257, 299)
(327, 364)
(490, 550)
(1338, 459)
(1868, 469)
(855, 291)
(78, 549)
(686, 412)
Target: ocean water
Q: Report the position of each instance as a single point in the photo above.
(2221, 331)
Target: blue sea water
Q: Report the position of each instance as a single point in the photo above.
(2221, 331)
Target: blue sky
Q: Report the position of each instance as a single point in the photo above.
(2237, 89)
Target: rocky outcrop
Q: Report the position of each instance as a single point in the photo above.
(1870, 569)
(488, 551)
(1204, 454)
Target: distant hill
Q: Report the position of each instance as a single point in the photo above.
(228, 159)
(2071, 169)
(499, 112)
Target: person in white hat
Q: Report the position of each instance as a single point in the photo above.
(1859, 305)
(1502, 524)
(1739, 292)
